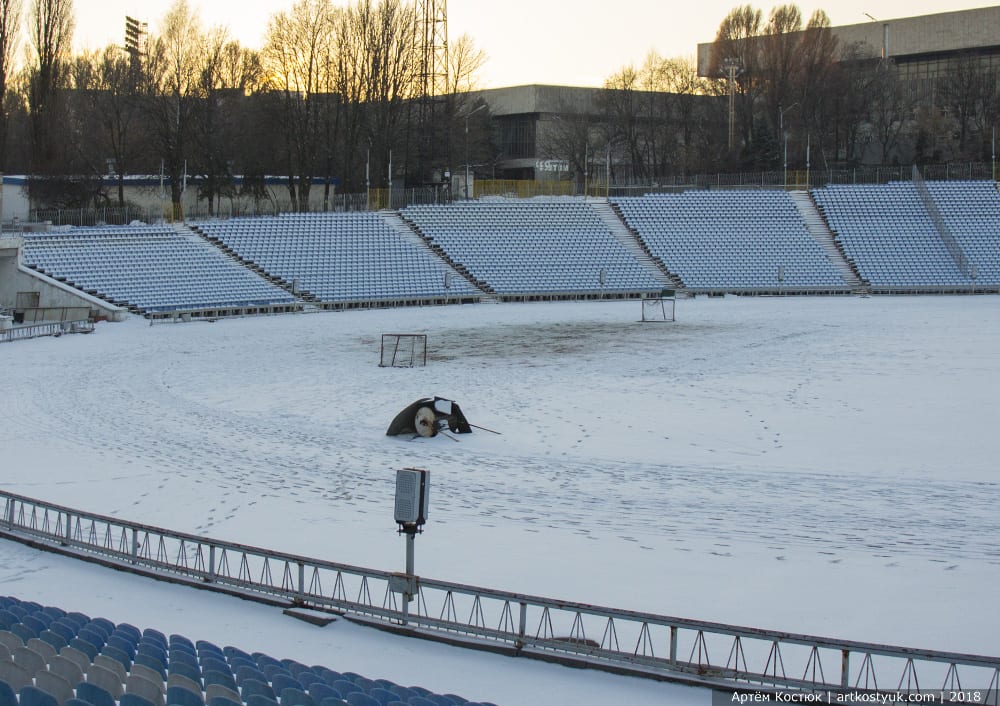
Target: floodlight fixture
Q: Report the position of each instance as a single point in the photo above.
(412, 499)
(412, 493)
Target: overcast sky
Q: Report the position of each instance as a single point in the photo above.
(526, 41)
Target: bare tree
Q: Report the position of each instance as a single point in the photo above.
(106, 123)
(737, 42)
(51, 36)
(818, 56)
(780, 64)
(298, 56)
(173, 86)
(10, 22)
(621, 101)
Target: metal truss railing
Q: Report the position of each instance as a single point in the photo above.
(725, 656)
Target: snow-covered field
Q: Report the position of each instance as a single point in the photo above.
(817, 465)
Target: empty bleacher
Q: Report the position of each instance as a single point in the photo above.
(150, 269)
(887, 231)
(732, 241)
(533, 247)
(971, 211)
(51, 657)
(341, 257)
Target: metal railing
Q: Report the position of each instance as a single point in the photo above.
(659, 646)
(49, 328)
(375, 199)
(943, 231)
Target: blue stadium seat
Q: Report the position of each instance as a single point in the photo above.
(179, 696)
(322, 690)
(185, 669)
(250, 687)
(33, 696)
(283, 680)
(8, 697)
(332, 701)
(259, 700)
(383, 696)
(344, 687)
(213, 676)
(292, 696)
(134, 700)
(358, 698)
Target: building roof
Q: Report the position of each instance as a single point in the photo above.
(946, 32)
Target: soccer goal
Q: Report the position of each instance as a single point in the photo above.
(403, 350)
(658, 309)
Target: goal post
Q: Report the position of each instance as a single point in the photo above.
(403, 350)
(658, 309)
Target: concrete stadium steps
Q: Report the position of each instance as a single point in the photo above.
(411, 231)
(613, 219)
(290, 287)
(819, 230)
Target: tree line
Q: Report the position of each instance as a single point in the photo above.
(336, 98)
(783, 89)
(333, 97)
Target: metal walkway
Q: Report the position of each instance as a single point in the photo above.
(611, 639)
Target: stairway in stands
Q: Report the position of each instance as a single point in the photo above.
(409, 230)
(186, 230)
(820, 231)
(612, 218)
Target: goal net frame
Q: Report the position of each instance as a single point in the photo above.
(403, 350)
(658, 309)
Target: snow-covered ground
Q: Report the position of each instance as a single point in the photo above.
(817, 465)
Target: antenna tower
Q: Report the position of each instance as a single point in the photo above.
(432, 38)
(136, 36)
(432, 26)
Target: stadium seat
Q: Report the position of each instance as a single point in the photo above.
(94, 694)
(10, 639)
(181, 696)
(8, 697)
(134, 700)
(56, 686)
(293, 696)
(358, 698)
(250, 687)
(106, 679)
(16, 676)
(33, 696)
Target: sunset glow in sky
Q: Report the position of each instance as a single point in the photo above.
(526, 41)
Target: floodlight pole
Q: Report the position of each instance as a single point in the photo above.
(781, 129)
(468, 176)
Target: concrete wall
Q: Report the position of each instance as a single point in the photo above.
(15, 278)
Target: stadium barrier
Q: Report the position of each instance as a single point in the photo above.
(583, 635)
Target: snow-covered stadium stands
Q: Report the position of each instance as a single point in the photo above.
(342, 257)
(887, 231)
(151, 269)
(971, 210)
(737, 241)
(52, 657)
(544, 247)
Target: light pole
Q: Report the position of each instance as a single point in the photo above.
(467, 175)
(781, 129)
(732, 66)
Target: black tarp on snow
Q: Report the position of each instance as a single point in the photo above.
(428, 415)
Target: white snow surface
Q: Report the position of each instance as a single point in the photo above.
(818, 465)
